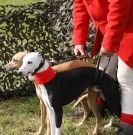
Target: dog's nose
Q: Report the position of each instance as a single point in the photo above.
(19, 73)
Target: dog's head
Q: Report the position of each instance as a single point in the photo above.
(31, 63)
(16, 61)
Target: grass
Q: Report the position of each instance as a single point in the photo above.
(18, 2)
(20, 116)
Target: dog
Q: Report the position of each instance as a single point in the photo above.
(16, 63)
(83, 99)
(60, 88)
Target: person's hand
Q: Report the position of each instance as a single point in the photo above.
(103, 51)
(79, 50)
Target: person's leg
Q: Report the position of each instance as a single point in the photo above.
(125, 78)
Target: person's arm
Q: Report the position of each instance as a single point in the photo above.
(80, 22)
(117, 18)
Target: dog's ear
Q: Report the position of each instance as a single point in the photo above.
(31, 49)
(41, 55)
(25, 51)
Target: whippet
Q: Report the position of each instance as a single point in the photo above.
(16, 63)
(60, 88)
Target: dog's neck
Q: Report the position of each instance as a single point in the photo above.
(45, 74)
(44, 67)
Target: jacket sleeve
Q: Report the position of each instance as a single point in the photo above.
(117, 18)
(81, 23)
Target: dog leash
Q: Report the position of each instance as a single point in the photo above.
(97, 67)
(74, 57)
(67, 58)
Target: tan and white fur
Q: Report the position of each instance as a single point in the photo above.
(16, 62)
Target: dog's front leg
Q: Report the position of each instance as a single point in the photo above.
(43, 118)
(50, 110)
(58, 119)
(43, 111)
(51, 116)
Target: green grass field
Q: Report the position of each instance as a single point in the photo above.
(18, 2)
(20, 116)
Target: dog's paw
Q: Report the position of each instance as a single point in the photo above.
(79, 124)
(108, 126)
(94, 133)
(37, 133)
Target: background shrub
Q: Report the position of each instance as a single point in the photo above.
(44, 27)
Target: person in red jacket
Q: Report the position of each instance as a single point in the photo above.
(113, 20)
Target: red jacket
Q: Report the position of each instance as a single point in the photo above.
(114, 23)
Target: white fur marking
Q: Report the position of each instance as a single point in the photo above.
(50, 110)
(58, 131)
(109, 125)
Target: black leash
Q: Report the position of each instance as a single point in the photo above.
(78, 57)
(67, 58)
(74, 57)
(97, 68)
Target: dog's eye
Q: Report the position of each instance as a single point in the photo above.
(29, 62)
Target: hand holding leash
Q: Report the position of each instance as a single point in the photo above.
(79, 50)
(103, 51)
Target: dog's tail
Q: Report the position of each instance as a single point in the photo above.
(111, 91)
(80, 99)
